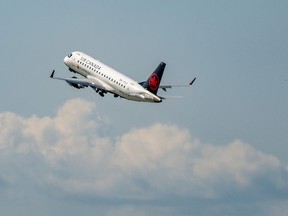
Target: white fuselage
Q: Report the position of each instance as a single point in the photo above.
(111, 80)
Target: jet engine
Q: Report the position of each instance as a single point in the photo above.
(75, 85)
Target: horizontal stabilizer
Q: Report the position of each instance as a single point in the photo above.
(171, 97)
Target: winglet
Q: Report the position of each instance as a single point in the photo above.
(190, 84)
(52, 74)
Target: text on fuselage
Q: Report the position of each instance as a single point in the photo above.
(87, 61)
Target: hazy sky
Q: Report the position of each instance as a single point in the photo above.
(221, 150)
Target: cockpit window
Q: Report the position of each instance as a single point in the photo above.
(69, 55)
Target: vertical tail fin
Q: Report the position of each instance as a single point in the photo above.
(153, 82)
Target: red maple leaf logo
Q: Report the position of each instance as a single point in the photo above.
(154, 82)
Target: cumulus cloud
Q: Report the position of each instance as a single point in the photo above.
(67, 153)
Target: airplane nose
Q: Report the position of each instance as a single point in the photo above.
(66, 61)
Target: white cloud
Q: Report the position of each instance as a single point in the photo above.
(67, 153)
(238, 161)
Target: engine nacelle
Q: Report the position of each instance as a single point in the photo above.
(78, 86)
(75, 85)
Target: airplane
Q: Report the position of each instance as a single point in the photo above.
(103, 79)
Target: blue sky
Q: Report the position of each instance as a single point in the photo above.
(221, 150)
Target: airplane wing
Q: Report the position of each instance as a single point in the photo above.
(164, 87)
(84, 82)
